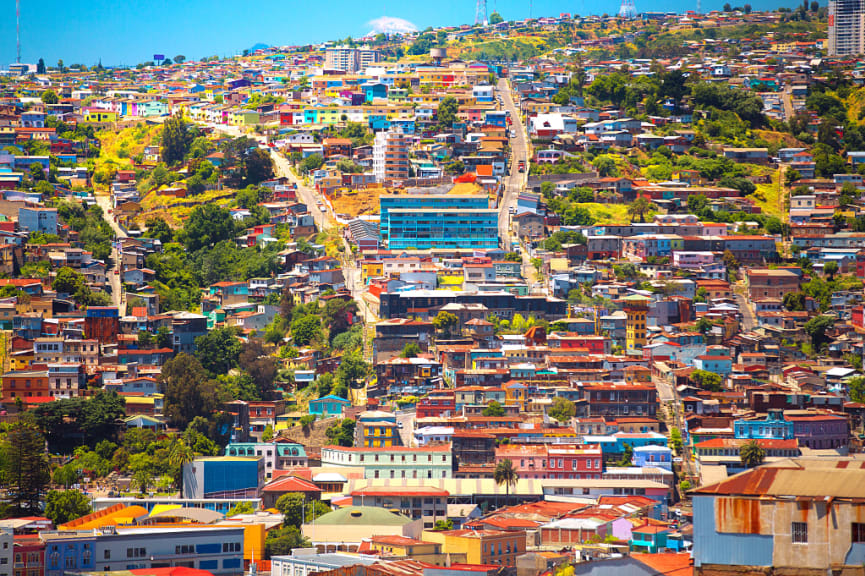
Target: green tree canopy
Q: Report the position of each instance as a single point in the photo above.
(63, 506)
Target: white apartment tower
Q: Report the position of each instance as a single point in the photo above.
(348, 59)
(846, 27)
(390, 156)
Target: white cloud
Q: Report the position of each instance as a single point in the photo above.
(391, 25)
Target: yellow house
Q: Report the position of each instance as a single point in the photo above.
(243, 117)
(98, 116)
(402, 547)
(480, 546)
(371, 269)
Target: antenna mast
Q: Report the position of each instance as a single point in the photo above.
(18, 29)
(481, 13)
(627, 9)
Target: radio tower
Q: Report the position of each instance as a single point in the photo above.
(18, 30)
(627, 9)
(481, 13)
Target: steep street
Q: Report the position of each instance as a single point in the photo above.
(118, 295)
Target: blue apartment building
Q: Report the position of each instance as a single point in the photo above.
(773, 427)
(425, 221)
(217, 550)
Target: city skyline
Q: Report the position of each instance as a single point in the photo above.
(120, 34)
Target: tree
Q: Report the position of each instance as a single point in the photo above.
(352, 369)
(296, 510)
(159, 229)
(830, 269)
(447, 112)
(187, 389)
(856, 389)
(605, 165)
(219, 350)
(176, 140)
(538, 265)
(639, 207)
(207, 225)
(707, 380)
(305, 329)
(495, 18)
(751, 454)
(180, 59)
(493, 409)
(282, 541)
(562, 410)
(816, 328)
(445, 322)
(341, 433)
(704, 325)
(163, 337)
(25, 468)
(410, 350)
(627, 456)
(50, 97)
(260, 366)
(68, 281)
(40, 66)
(338, 315)
(506, 474)
(240, 508)
(63, 506)
(727, 7)
(443, 525)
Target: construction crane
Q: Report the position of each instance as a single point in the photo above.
(18, 30)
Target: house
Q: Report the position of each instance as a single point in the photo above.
(803, 515)
(328, 406)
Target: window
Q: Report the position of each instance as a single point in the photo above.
(799, 533)
(858, 532)
(107, 554)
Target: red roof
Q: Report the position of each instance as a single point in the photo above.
(668, 564)
(291, 484)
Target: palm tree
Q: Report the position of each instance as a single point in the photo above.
(639, 207)
(751, 454)
(506, 474)
(179, 454)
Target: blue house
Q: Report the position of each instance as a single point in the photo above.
(613, 445)
(374, 90)
(653, 457)
(774, 427)
(721, 365)
(651, 539)
(328, 406)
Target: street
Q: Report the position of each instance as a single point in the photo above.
(515, 181)
(117, 294)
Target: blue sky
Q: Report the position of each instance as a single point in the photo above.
(131, 31)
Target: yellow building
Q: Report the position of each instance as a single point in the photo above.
(480, 546)
(636, 310)
(371, 269)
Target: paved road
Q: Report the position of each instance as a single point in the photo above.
(118, 295)
(749, 320)
(787, 101)
(515, 181)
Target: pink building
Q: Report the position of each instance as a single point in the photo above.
(566, 462)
